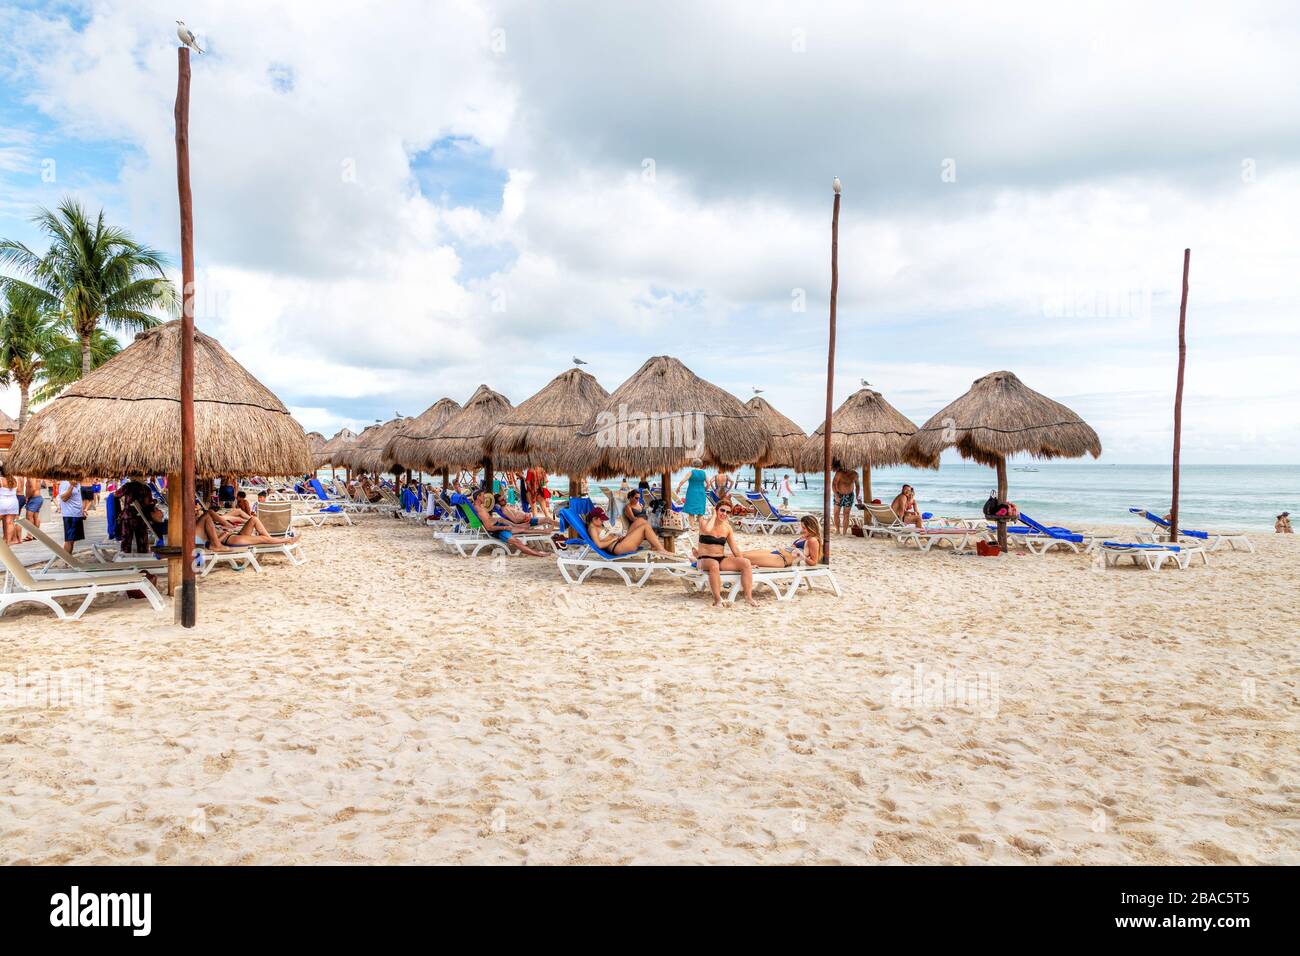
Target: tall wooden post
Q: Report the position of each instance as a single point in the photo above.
(830, 377)
(175, 533)
(1178, 394)
(866, 483)
(188, 608)
(758, 478)
(1002, 497)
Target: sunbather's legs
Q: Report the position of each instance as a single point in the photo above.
(765, 559)
(710, 567)
(640, 531)
(746, 569)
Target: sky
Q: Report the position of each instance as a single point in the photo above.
(399, 202)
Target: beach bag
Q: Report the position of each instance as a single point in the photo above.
(991, 507)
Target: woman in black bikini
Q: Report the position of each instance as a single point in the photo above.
(716, 534)
(805, 549)
(634, 508)
(219, 536)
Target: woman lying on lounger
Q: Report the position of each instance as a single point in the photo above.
(805, 549)
(519, 516)
(716, 535)
(637, 532)
(499, 527)
(217, 532)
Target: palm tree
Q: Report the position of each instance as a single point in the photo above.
(63, 361)
(28, 334)
(94, 274)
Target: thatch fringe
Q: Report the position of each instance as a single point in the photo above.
(999, 417)
(540, 431)
(334, 451)
(866, 431)
(124, 418)
(661, 418)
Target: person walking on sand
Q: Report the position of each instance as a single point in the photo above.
(35, 501)
(787, 492)
(696, 500)
(845, 488)
(9, 508)
(73, 513)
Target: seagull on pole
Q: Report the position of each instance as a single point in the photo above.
(835, 185)
(578, 361)
(187, 36)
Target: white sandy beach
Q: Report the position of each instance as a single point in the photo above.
(389, 703)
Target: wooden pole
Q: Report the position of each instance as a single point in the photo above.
(1002, 497)
(175, 532)
(188, 609)
(830, 378)
(866, 483)
(758, 479)
(1178, 394)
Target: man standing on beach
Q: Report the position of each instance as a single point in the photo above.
(787, 492)
(845, 487)
(32, 507)
(74, 515)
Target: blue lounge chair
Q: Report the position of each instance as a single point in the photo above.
(1039, 538)
(1211, 539)
(767, 517)
(576, 564)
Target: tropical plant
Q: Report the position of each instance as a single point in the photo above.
(64, 362)
(28, 335)
(93, 274)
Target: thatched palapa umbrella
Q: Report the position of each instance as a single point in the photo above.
(541, 430)
(661, 418)
(866, 432)
(123, 418)
(1001, 416)
(460, 442)
(370, 451)
(410, 446)
(332, 452)
(786, 436)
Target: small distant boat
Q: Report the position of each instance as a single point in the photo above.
(1025, 468)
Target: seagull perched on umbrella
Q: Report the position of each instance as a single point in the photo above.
(756, 389)
(187, 36)
(865, 383)
(578, 361)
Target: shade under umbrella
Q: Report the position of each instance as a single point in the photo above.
(661, 418)
(541, 430)
(124, 418)
(460, 442)
(999, 417)
(410, 446)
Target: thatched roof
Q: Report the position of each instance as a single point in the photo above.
(661, 418)
(124, 418)
(315, 442)
(7, 424)
(459, 442)
(999, 417)
(368, 452)
(332, 452)
(409, 446)
(787, 437)
(866, 431)
(539, 431)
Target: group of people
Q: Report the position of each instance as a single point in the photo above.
(25, 497)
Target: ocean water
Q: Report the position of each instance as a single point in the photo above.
(1225, 497)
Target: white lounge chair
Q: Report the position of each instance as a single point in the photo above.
(21, 586)
(1210, 540)
(959, 539)
(1154, 556)
(783, 582)
(767, 518)
(80, 564)
(881, 520)
(277, 518)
